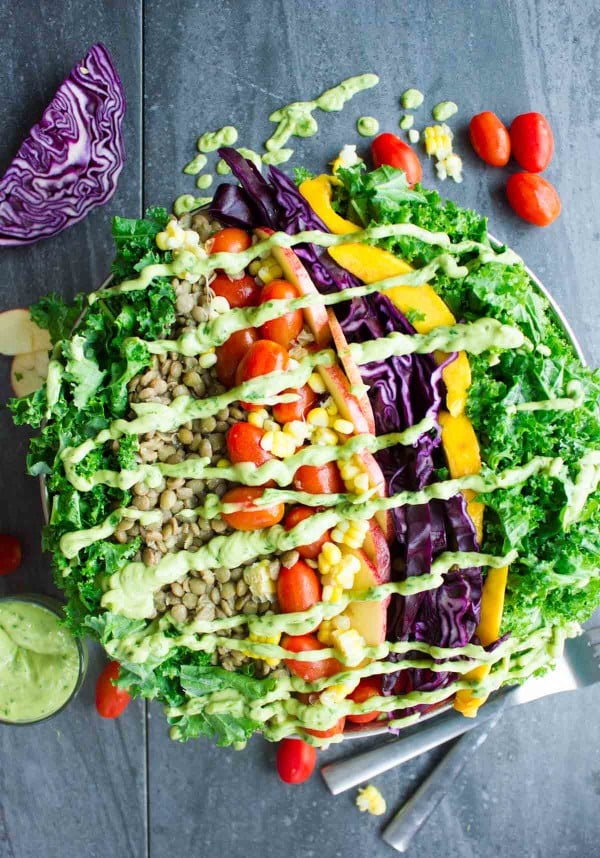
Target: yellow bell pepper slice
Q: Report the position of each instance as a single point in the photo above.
(488, 630)
(370, 264)
(317, 193)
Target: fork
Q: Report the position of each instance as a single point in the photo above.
(579, 666)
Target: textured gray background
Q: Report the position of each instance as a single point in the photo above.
(79, 787)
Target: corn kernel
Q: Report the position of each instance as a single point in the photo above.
(370, 799)
(267, 441)
(255, 267)
(350, 644)
(316, 383)
(341, 622)
(162, 241)
(331, 552)
(344, 427)
(331, 407)
(336, 693)
(325, 437)
(337, 535)
(268, 639)
(269, 270)
(318, 417)
(220, 304)
(324, 631)
(361, 483)
(207, 360)
(348, 470)
(297, 429)
(283, 446)
(257, 418)
(438, 141)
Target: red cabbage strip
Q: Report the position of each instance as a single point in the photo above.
(234, 207)
(72, 157)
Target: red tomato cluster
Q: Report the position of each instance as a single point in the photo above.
(531, 143)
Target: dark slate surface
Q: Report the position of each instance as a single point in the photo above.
(75, 787)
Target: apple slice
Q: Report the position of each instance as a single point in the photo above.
(350, 368)
(369, 619)
(377, 481)
(348, 405)
(28, 372)
(316, 316)
(19, 335)
(377, 550)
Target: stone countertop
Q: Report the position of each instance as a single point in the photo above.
(76, 786)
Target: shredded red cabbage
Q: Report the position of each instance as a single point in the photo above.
(72, 158)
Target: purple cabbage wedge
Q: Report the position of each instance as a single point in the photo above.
(72, 158)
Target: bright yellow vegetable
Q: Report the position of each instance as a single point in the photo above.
(317, 193)
(428, 310)
(461, 449)
(488, 630)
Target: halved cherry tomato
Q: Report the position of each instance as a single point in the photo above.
(243, 444)
(296, 761)
(286, 411)
(490, 138)
(251, 517)
(263, 357)
(391, 150)
(368, 687)
(244, 292)
(319, 479)
(287, 327)
(110, 700)
(294, 517)
(231, 353)
(309, 671)
(332, 731)
(298, 588)
(230, 240)
(533, 198)
(532, 141)
(10, 553)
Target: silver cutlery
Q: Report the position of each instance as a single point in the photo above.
(578, 667)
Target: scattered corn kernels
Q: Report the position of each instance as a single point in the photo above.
(344, 427)
(259, 581)
(269, 270)
(267, 639)
(324, 437)
(438, 141)
(336, 693)
(350, 644)
(280, 443)
(298, 430)
(318, 417)
(257, 418)
(369, 799)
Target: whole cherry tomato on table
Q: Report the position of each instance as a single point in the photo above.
(298, 588)
(368, 687)
(391, 150)
(10, 553)
(533, 198)
(296, 761)
(263, 357)
(490, 139)
(110, 700)
(230, 354)
(231, 239)
(319, 479)
(243, 292)
(532, 141)
(250, 516)
(309, 671)
(286, 328)
(337, 728)
(284, 412)
(294, 517)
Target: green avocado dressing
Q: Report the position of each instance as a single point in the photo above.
(297, 120)
(210, 141)
(39, 662)
(367, 126)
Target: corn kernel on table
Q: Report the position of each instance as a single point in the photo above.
(77, 786)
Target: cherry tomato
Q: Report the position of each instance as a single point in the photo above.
(391, 150)
(332, 731)
(231, 353)
(243, 444)
(230, 240)
(263, 357)
(368, 687)
(294, 517)
(298, 588)
(251, 517)
(286, 411)
(10, 553)
(532, 141)
(533, 198)
(244, 292)
(287, 327)
(490, 139)
(309, 671)
(296, 761)
(110, 700)
(319, 479)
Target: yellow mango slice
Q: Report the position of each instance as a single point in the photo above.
(317, 193)
(370, 264)
(460, 444)
(492, 606)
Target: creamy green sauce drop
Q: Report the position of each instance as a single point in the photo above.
(210, 141)
(39, 662)
(188, 202)
(196, 165)
(367, 126)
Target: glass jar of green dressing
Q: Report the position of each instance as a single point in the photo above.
(42, 665)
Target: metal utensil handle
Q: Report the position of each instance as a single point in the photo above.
(417, 810)
(345, 774)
